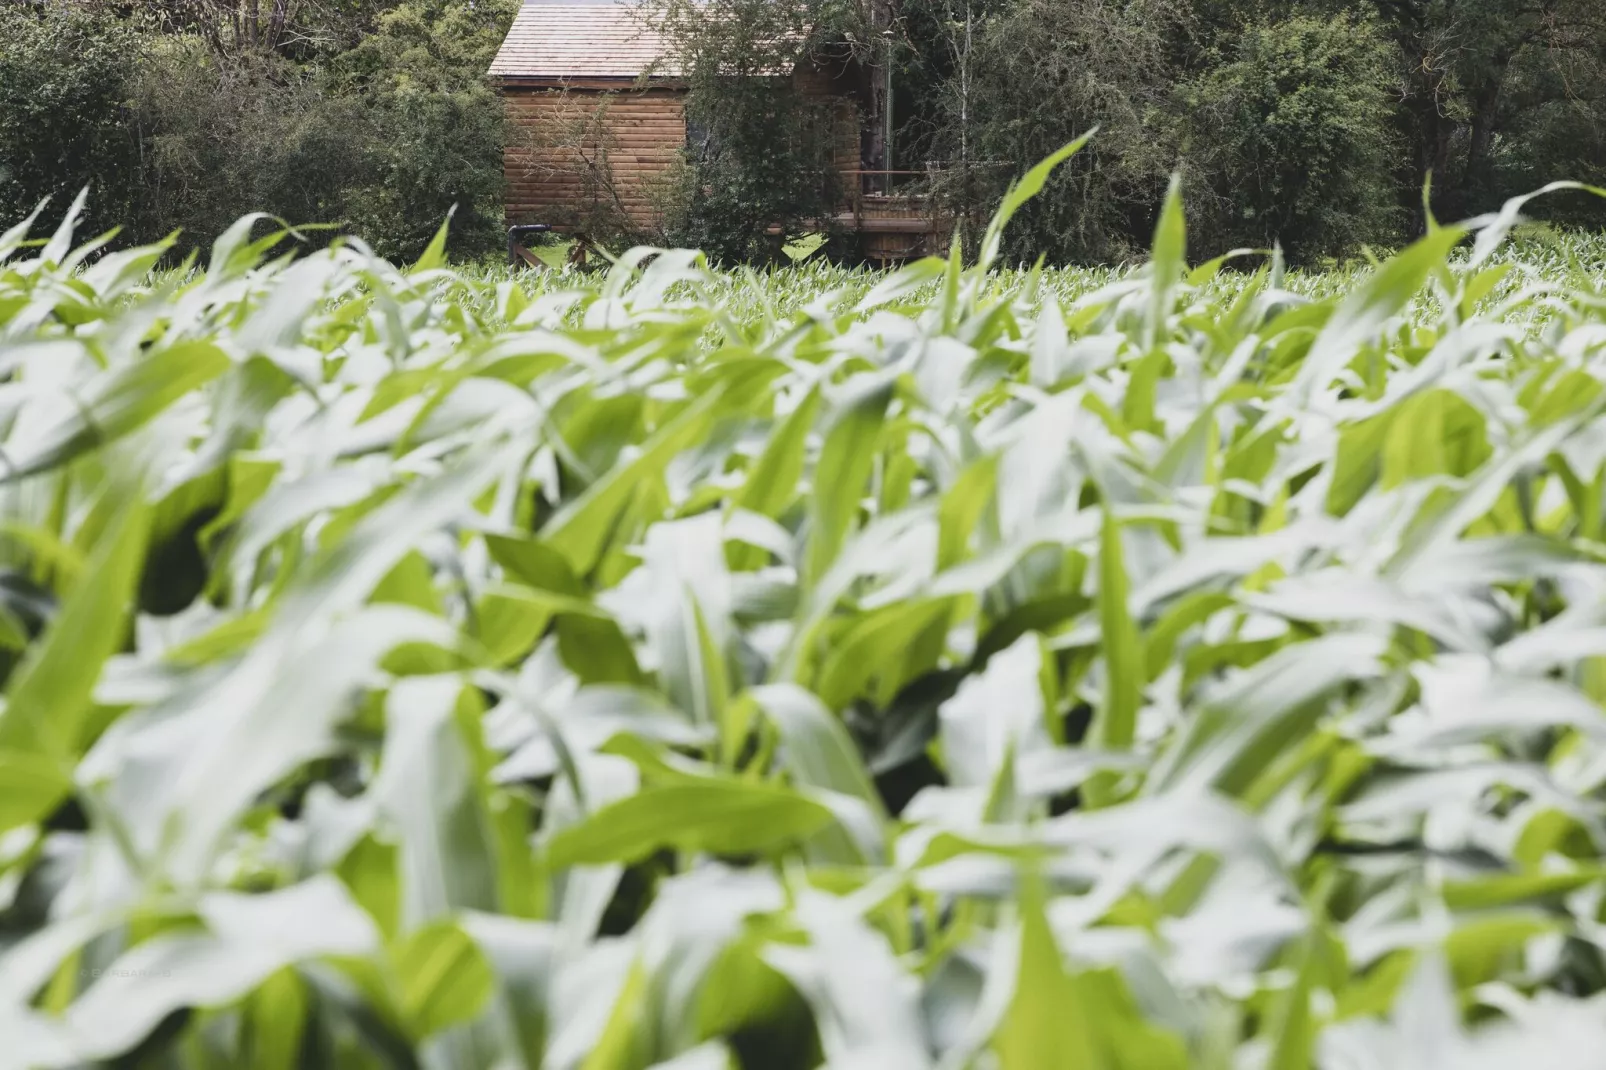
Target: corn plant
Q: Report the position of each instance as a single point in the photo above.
(942, 669)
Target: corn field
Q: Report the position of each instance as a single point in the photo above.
(1170, 668)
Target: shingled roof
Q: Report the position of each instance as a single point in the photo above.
(568, 40)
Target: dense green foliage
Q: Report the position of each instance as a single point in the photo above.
(761, 160)
(1485, 88)
(371, 116)
(1289, 136)
(1150, 670)
(65, 85)
(1316, 122)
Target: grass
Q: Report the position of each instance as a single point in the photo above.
(1165, 667)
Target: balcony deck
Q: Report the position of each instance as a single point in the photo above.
(890, 211)
(893, 213)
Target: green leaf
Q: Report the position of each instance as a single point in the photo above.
(863, 1003)
(1020, 191)
(116, 403)
(1358, 461)
(48, 698)
(727, 817)
(276, 1022)
(1188, 612)
(1293, 1027)
(596, 650)
(619, 1046)
(1125, 673)
(818, 749)
(842, 470)
(580, 531)
(771, 484)
(818, 752)
(877, 646)
(247, 940)
(1485, 946)
(1060, 1020)
(713, 1055)
(1490, 238)
(434, 255)
(432, 784)
(512, 617)
(534, 563)
(1167, 262)
(1242, 726)
(902, 283)
(410, 583)
(445, 978)
(1505, 889)
(521, 954)
(1434, 433)
(1046, 1027)
(687, 620)
(962, 509)
(234, 253)
(1362, 315)
(30, 788)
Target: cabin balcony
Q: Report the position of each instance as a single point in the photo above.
(893, 214)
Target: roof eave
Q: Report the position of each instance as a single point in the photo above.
(584, 81)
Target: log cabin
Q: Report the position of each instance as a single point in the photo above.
(597, 129)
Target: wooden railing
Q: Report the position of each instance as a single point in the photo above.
(887, 201)
(889, 183)
(883, 183)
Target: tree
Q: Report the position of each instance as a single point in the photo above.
(1281, 124)
(934, 81)
(184, 114)
(436, 128)
(760, 171)
(1285, 139)
(66, 75)
(1457, 59)
(299, 29)
(1034, 74)
(382, 138)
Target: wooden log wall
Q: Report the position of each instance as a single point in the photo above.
(590, 149)
(821, 85)
(579, 150)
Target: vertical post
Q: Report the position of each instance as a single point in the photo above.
(888, 157)
(876, 154)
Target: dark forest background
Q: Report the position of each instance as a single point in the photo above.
(1314, 123)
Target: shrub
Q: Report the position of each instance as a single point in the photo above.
(424, 153)
(246, 133)
(381, 139)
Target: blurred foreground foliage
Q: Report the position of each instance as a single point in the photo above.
(405, 670)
